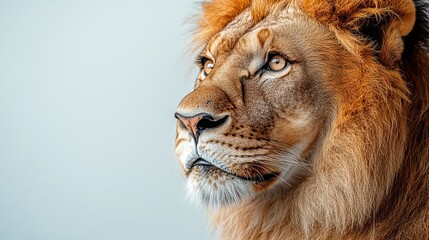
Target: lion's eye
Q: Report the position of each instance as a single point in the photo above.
(277, 63)
(208, 66)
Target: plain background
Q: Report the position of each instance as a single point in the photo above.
(88, 89)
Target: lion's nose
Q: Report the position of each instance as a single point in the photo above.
(198, 123)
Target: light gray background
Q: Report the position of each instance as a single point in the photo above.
(88, 90)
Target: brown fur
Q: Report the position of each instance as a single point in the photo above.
(366, 161)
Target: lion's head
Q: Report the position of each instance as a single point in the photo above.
(299, 112)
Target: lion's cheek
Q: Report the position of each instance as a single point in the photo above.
(296, 128)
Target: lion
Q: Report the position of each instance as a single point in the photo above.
(310, 119)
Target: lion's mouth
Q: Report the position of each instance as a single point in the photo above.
(201, 162)
(204, 164)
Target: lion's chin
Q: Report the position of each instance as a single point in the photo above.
(214, 187)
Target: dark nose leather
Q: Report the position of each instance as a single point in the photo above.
(198, 123)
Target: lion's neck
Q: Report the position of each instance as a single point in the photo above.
(262, 218)
(405, 211)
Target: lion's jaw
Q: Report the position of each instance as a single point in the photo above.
(274, 121)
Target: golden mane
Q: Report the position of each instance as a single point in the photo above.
(383, 190)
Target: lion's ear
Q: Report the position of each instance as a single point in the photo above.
(384, 25)
(381, 22)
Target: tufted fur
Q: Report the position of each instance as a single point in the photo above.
(369, 164)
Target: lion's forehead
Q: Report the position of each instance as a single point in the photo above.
(225, 40)
(244, 27)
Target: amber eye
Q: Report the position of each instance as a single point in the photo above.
(277, 63)
(208, 66)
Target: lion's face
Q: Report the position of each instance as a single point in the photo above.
(260, 109)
